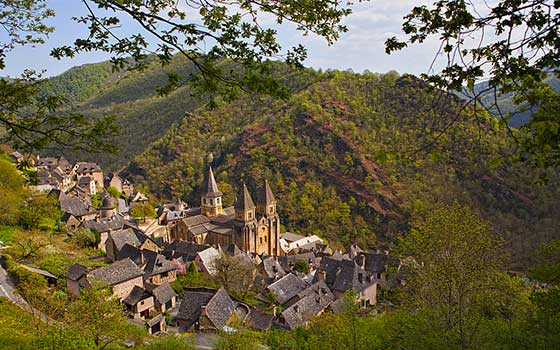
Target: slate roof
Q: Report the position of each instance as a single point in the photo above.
(75, 272)
(85, 167)
(130, 251)
(136, 294)
(124, 236)
(118, 272)
(342, 275)
(286, 288)
(162, 293)
(207, 258)
(86, 180)
(288, 261)
(272, 268)
(244, 200)
(184, 247)
(291, 237)
(232, 249)
(73, 205)
(191, 306)
(378, 262)
(209, 187)
(196, 220)
(156, 263)
(310, 305)
(218, 307)
(259, 320)
(114, 222)
(108, 203)
(39, 271)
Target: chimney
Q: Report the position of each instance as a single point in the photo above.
(322, 275)
(362, 261)
(386, 252)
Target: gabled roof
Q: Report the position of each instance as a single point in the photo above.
(162, 293)
(209, 187)
(216, 305)
(73, 205)
(118, 272)
(315, 300)
(259, 320)
(244, 201)
(220, 308)
(124, 236)
(342, 275)
(272, 268)
(208, 257)
(136, 294)
(196, 220)
(114, 222)
(75, 272)
(286, 288)
(156, 263)
(85, 167)
(378, 262)
(39, 271)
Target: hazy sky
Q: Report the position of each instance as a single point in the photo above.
(360, 49)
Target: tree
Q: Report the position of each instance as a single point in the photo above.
(103, 324)
(455, 279)
(514, 43)
(240, 44)
(11, 192)
(85, 238)
(41, 212)
(143, 211)
(236, 274)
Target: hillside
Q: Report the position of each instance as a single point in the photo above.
(346, 159)
(520, 114)
(351, 157)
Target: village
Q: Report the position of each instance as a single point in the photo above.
(294, 277)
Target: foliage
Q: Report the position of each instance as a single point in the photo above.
(11, 192)
(239, 340)
(302, 266)
(23, 22)
(85, 238)
(40, 212)
(548, 270)
(103, 324)
(114, 192)
(235, 274)
(237, 33)
(523, 49)
(143, 211)
(352, 157)
(57, 263)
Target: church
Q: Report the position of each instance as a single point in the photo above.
(252, 228)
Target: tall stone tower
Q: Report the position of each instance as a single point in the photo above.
(245, 223)
(269, 222)
(211, 197)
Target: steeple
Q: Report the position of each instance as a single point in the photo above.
(244, 205)
(211, 197)
(266, 202)
(210, 185)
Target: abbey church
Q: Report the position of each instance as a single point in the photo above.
(252, 228)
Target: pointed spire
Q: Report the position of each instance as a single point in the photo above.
(210, 187)
(267, 195)
(244, 200)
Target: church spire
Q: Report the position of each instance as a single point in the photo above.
(244, 201)
(266, 200)
(211, 197)
(210, 187)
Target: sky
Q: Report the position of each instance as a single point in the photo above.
(361, 48)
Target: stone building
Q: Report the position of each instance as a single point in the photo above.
(253, 228)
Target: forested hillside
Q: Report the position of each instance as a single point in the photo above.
(351, 157)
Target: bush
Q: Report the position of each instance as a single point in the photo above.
(85, 238)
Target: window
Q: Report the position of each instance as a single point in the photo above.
(378, 276)
(271, 210)
(250, 215)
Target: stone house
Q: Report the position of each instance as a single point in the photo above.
(205, 310)
(92, 170)
(311, 302)
(122, 276)
(165, 297)
(286, 288)
(140, 303)
(88, 185)
(76, 279)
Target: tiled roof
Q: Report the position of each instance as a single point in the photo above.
(156, 263)
(259, 320)
(220, 308)
(73, 205)
(209, 187)
(124, 236)
(244, 200)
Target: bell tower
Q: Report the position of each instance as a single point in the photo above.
(266, 209)
(211, 197)
(245, 223)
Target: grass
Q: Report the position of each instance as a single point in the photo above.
(7, 234)
(17, 329)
